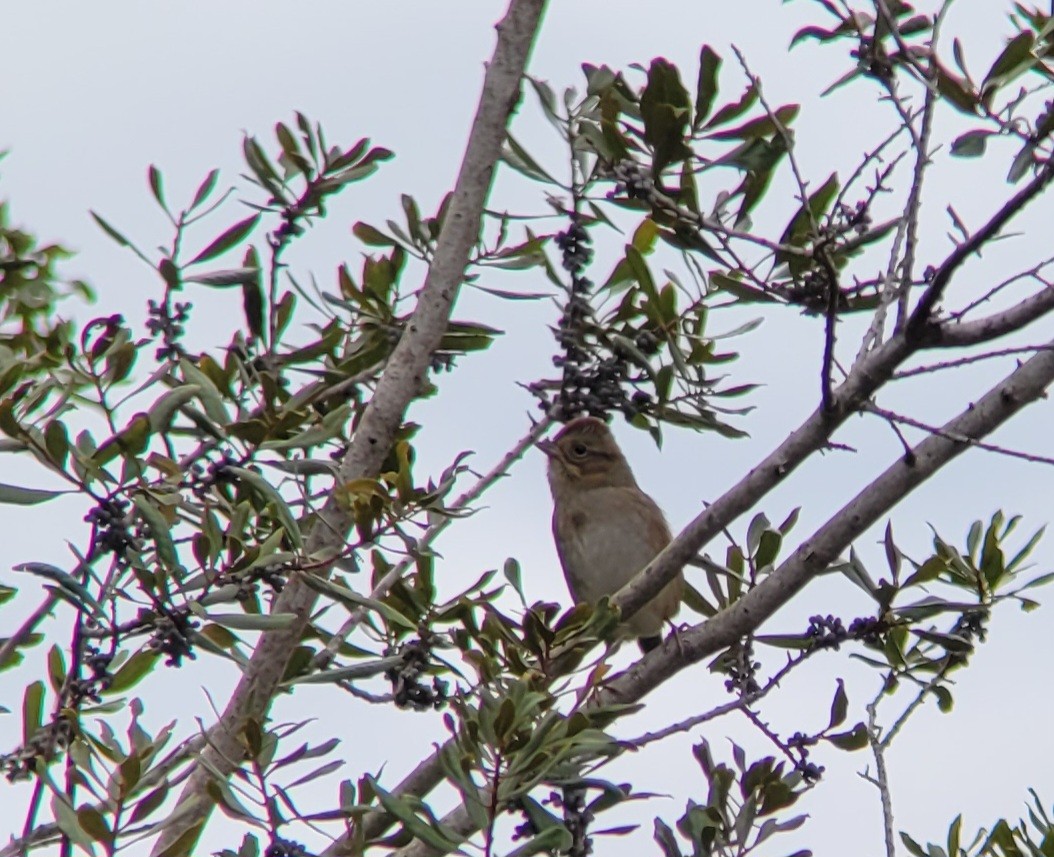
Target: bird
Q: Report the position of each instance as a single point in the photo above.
(605, 527)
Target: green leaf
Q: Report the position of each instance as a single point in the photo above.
(555, 840)
(664, 107)
(1021, 164)
(204, 189)
(291, 149)
(135, 668)
(57, 442)
(738, 289)
(839, 706)
(226, 278)
(511, 570)
(261, 166)
(262, 487)
(148, 804)
(735, 109)
(32, 710)
(353, 600)
(430, 834)
(56, 668)
(854, 739)
(254, 621)
(913, 846)
(666, 838)
(800, 230)
(371, 236)
(162, 411)
(26, 496)
(229, 238)
(157, 186)
(109, 230)
(1015, 59)
(971, 144)
(956, 91)
(763, 126)
(77, 594)
(706, 88)
(131, 440)
(951, 643)
(253, 306)
(159, 531)
(208, 395)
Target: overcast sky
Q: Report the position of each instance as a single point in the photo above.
(92, 94)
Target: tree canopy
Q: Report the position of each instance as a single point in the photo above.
(266, 513)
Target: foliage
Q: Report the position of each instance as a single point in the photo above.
(205, 474)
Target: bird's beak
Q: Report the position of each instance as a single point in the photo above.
(548, 447)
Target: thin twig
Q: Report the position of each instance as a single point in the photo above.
(914, 704)
(966, 361)
(881, 780)
(763, 727)
(721, 710)
(957, 438)
(1032, 273)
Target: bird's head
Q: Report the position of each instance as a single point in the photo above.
(584, 455)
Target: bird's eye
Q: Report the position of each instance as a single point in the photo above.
(579, 450)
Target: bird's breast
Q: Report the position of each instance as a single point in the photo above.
(601, 552)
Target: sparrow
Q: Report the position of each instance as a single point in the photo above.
(605, 528)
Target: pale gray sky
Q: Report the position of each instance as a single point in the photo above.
(93, 94)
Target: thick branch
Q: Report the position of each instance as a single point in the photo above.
(870, 374)
(402, 379)
(1020, 388)
(962, 333)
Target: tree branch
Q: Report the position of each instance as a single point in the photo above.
(962, 333)
(403, 377)
(921, 316)
(814, 555)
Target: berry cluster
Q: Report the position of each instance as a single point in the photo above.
(592, 383)
(528, 829)
(971, 625)
(286, 848)
(812, 289)
(173, 636)
(631, 181)
(829, 632)
(801, 742)
(275, 575)
(110, 522)
(21, 763)
(169, 325)
(201, 479)
(441, 362)
(739, 664)
(408, 689)
(80, 689)
(868, 630)
(826, 632)
(577, 818)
